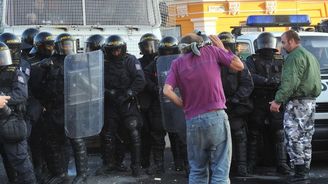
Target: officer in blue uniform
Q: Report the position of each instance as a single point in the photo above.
(13, 128)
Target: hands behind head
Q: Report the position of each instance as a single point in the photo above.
(217, 42)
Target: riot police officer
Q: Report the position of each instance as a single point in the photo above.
(27, 42)
(169, 46)
(153, 130)
(148, 46)
(322, 26)
(14, 44)
(124, 79)
(94, 42)
(238, 87)
(58, 153)
(43, 47)
(265, 67)
(13, 130)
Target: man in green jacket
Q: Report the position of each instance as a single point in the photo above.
(300, 85)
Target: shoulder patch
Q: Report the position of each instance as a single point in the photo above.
(27, 71)
(21, 79)
(138, 66)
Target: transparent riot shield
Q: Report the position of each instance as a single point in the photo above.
(172, 115)
(84, 94)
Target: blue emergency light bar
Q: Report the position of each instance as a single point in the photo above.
(278, 20)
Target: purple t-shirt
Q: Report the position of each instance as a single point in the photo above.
(199, 80)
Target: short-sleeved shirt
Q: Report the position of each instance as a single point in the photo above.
(199, 80)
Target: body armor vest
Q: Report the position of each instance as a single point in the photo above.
(269, 68)
(230, 81)
(55, 80)
(117, 76)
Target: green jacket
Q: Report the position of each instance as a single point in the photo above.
(300, 76)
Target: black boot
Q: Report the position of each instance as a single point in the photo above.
(240, 138)
(281, 154)
(108, 155)
(252, 151)
(178, 163)
(81, 161)
(57, 163)
(158, 167)
(132, 126)
(301, 175)
(135, 160)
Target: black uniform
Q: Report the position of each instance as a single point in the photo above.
(124, 79)
(57, 142)
(14, 148)
(145, 101)
(35, 114)
(155, 124)
(39, 68)
(238, 86)
(266, 73)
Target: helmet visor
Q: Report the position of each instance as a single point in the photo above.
(89, 47)
(149, 47)
(5, 58)
(46, 49)
(266, 43)
(67, 47)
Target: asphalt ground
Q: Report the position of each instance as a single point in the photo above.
(265, 175)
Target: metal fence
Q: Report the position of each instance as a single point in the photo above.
(82, 12)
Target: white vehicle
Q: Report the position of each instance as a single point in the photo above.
(316, 43)
(82, 18)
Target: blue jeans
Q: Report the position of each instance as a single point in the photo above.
(209, 147)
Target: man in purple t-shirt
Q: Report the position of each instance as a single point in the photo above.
(197, 75)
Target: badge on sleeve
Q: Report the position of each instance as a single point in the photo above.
(21, 79)
(138, 66)
(27, 71)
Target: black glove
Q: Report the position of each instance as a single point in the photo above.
(273, 81)
(129, 94)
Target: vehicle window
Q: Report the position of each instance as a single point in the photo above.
(97, 12)
(318, 47)
(44, 12)
(243, 50)
(121, 12)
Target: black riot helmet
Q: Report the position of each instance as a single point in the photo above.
(114, 47)
(266, 41)
(322, 26)
(65, 44)
(206, 39)
(228, 41)
(14, 45)
(28, 37)
(148, 44)
(94, 42)
(43, 44)
(5, 57)
(169, 45)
